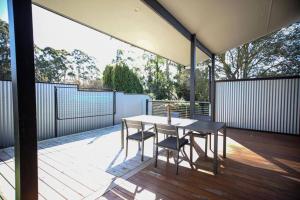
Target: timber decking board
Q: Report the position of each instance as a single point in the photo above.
(86, 165)
(258, 166)
(79, 166)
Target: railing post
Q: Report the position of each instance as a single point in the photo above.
(147, 106)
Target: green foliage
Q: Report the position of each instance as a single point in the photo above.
(158, 83)
(5, 73)
(120, 78)
(51, 65)
(182, 82)
(202, 84)
(107, 76)
(273, 55)
(84, 66)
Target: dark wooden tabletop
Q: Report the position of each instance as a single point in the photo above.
(204, 126)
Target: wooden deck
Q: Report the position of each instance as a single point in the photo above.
(79, 166)
(258, 166)
(91, 165)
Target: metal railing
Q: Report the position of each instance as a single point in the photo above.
(178, 108)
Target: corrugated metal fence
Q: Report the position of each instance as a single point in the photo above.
(63, 109)
(81, 110)
(260, 104)
(266, 105)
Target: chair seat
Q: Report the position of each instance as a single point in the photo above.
(171, 143)
(138, 136)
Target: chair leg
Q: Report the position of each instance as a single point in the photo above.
(156, 156)
(177, 162)
(206, 146)
(142, 151)
(191, 149)
(168, 155)
(153, 146)
(126, 147)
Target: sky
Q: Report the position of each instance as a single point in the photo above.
(3, 10)
(58, 32)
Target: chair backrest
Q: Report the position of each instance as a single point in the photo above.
(133, 124)
(169, 130)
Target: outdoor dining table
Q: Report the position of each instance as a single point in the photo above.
(186, 124)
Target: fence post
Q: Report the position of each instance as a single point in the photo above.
(114, 106)
(55, 112)
(147, 106)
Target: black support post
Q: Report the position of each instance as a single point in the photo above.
(192, 76)
(209, 83)
(23, 82)
(213, 88)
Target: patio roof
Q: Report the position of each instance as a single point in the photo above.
(219, 25)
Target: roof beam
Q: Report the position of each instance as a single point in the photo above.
(164, 13)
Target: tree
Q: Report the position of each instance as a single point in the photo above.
(275, 54)
(5, 72)
(181, 82)
(51, 65)
(202, 92)
(119, 77)
(158, 83)
(108, 76)
(82, 67)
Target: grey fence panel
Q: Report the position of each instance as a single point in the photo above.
(46, 110)
(79, 111)
(265, 105)
(84, 105)
(6, 114)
